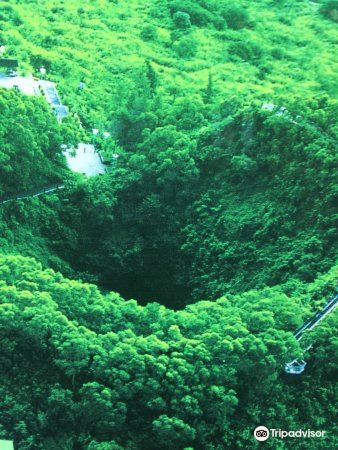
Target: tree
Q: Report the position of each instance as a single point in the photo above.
(152, 77)
(30, 142)
(149, 33)
(173, 432)
(330, 9)
(236, 16)
(181, 20)
(209, 91)
(186, 47)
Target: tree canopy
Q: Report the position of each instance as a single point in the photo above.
(84, 370)
(153, 307)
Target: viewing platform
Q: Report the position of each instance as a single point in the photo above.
(32, 86)
(27, 85)
(84, 159)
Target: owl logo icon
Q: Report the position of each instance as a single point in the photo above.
(261, 433)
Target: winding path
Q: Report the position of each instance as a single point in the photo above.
(38, 193)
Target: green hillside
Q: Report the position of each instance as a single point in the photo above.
(211, 238)
(83, 370)
(262, 49)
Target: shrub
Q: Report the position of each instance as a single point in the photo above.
(242, 164)
(277, 53)
(149, 33)
(181, 20)
(8, 13)
(186, 47)
(330, 9)
(197, 14)
(246, 50)
(236, 17)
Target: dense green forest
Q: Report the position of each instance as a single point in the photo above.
(83, 370)
(153, 307)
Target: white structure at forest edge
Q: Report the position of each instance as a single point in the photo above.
(85, 159)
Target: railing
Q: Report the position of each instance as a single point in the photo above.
(319, 316)
(23, 196)
(297, 367)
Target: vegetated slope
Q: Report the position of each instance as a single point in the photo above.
(83, 370)
(249, 201)
(267, 213)
(211, 195)
(252, 49)
(220, 198)
(31, 159)
(30, 144)
(242, 202)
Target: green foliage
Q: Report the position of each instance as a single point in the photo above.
(181, 20)
(8, 13)
(330, 9)
(186, 47)
(234, 203)
(149, 33)
(198, 15)
(30, 144)
(173, 432)
(246, 50)
(106, 43)
(224, 189)
(236, 16)
(242, 165)
(86, 370)
(192, 165)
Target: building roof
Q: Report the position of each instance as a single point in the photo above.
(9, 63)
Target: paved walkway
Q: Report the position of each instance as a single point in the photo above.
(23, 196)
(27, 85)
(52, 97)
(85, 160)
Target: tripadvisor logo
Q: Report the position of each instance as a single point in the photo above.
(261, 433)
